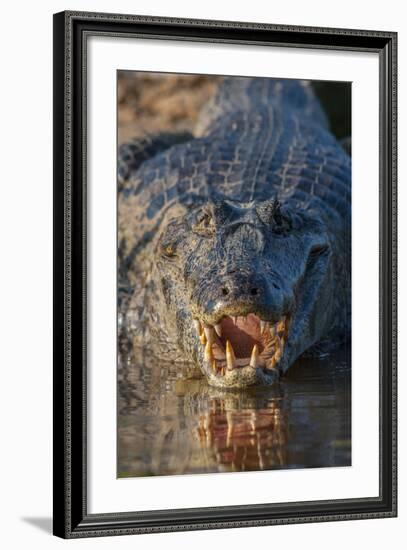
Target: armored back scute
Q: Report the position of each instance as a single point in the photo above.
(245, 93)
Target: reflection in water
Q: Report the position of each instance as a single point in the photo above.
(171, 422)
(239, 437)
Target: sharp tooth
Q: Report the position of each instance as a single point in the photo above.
(281, 324)
(218, 329)
(209, 333)
(222, 371)
(255, 356)
(208, 352)
(263, 326)
(230, 356)
(203, 338)
(234, 318)
(273, 363)
(279, 351)
(197, 326)
(273, 331)
(214, 366)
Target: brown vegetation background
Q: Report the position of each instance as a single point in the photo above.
(152, 102)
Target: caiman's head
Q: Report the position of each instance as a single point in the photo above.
(245, 288)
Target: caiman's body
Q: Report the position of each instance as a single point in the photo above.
(235, 242)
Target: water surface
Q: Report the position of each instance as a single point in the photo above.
(171, 422)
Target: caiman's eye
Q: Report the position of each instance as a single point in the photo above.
(170, 242)
(168, 250)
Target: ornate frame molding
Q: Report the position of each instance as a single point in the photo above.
(71, 29)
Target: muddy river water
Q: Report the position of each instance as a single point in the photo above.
(171, 422)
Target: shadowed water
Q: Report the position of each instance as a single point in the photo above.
(171, 422)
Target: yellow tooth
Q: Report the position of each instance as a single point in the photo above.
(273, 330)
(279, 349)
(208, 352)
(222, 371)
(218, 329)
(254, 357)
(209, 333)
(203, 338)
(230, 356)
(273, 363)
(281, 325)
(214, 366)
(197, 326)
(263, 326)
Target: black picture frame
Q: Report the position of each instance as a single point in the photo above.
(71, 519)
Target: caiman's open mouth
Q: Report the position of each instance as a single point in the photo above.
(242, 349)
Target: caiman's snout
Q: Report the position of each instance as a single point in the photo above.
(241, 293)
(241, 287)
(242, 325)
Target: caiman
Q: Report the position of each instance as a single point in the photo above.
(235, 241)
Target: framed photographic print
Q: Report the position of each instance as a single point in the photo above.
(224, 274)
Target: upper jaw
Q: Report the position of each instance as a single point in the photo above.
(242, 350)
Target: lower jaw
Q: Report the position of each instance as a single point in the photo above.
(243, 377)
(260, 367)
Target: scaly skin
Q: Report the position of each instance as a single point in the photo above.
(242, 230)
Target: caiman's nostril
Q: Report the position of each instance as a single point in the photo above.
(225, 291)
(254, 291)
